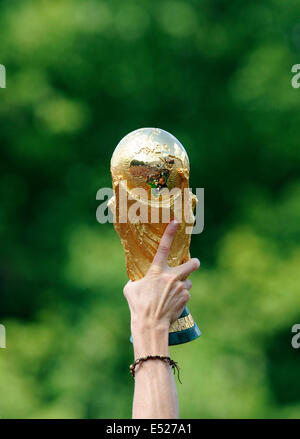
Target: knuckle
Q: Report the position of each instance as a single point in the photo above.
(163, 248)
(126, 289)
(186, 296)
(154, 270)
(169, 232)
(191, 266)
(170, 277)
(179, 287)
(189, 284)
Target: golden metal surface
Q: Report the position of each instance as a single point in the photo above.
(182, 324)
(145, 152)
(154, 160)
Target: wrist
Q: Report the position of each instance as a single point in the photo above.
(147, 324)
(150, 339)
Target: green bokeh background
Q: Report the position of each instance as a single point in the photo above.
(81, 75)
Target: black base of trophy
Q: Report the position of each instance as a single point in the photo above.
(185, 335)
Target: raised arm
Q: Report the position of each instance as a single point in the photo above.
(155, 302)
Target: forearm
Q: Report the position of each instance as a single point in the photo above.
(155, 301)
(155, 394)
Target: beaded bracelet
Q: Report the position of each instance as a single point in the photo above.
(168, 360)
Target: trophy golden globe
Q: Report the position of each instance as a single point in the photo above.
(150, 174)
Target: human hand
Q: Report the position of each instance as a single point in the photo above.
(159, 298)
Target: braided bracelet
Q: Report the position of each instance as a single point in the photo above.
(168, 360)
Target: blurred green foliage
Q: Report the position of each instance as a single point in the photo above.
(81, 75)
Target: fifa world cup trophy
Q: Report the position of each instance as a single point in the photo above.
(150, 173)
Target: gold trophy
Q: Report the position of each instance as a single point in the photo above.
(150, 173)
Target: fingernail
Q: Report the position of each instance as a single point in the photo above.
(171, 225)
(198, 262)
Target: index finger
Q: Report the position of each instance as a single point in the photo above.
(161, 257)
